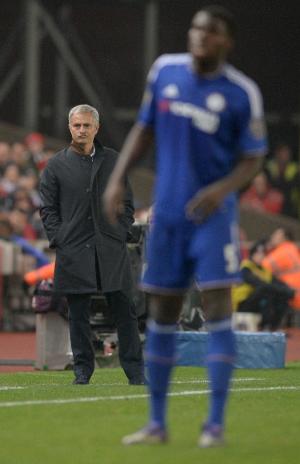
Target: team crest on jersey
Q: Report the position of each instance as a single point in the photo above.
(171, 91)
(216, 102)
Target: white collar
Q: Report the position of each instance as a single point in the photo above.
(93, 152)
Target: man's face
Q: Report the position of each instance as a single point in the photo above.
(258, 256)
(260, 184)
(277, 237)
(83, 128)
(208, 38)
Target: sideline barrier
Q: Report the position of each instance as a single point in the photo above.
(255, 350)
(53, 346)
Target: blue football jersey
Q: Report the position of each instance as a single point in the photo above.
(202, 127)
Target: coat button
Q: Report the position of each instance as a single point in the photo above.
(88, 190)
(87, 245)
(89, 218)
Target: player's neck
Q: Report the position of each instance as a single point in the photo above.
(207, 68)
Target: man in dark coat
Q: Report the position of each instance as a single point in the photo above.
(91, 254)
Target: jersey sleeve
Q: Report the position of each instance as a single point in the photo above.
(146, 115)
(252, 139)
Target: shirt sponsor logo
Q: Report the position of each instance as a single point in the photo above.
(216, 102)
(202, 119)
(171, 91)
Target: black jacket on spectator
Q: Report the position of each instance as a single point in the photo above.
(71, 189)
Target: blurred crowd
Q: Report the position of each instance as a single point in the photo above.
(276, 189)
(20, 167)
(270, 279)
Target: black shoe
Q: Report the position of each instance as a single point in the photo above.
(81, 380)
(138, 381)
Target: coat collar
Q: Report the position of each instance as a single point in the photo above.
(98, 159)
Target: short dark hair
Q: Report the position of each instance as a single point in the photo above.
(260, 244)
(84, 109)
(288, 233)
(220, 12)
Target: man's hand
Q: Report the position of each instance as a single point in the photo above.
(113, 204)
(205, 202)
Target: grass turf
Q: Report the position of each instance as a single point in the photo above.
(45, 419)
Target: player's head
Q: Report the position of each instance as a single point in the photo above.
(211, 34)
(85, 109)
(280, 235)
(83, 124)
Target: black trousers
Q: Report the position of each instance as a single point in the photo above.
(271, 305)
(123, 312)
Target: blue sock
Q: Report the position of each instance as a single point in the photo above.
(220, 363)
(160, 358)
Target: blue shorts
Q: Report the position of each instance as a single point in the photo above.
(179, 254)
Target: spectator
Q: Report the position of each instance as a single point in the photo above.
(20, 223)
(283, 260)
(7, 233)
(4, 156)
(29, 183)
(261, 196)
(284, 175)
(22, 201)
(35, 143)
(10, 179)
(19, 179)
(26, 201)
(244, 248)
(261, 292)
(5, 228)
(20, 156)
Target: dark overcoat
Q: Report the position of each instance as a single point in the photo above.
(71, 189)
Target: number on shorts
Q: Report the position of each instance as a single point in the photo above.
(231, 258)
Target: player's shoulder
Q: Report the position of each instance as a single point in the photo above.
(239, 79)
(171, 59)
(168, 60)
(243, 86)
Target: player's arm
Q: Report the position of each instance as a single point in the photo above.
(136, 145)
(209, 199)
(49, 209)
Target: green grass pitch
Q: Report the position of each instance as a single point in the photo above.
(46, 420)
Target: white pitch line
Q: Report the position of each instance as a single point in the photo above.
(120, 384)
(5, 388)
(93, 399)
(245, 379)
